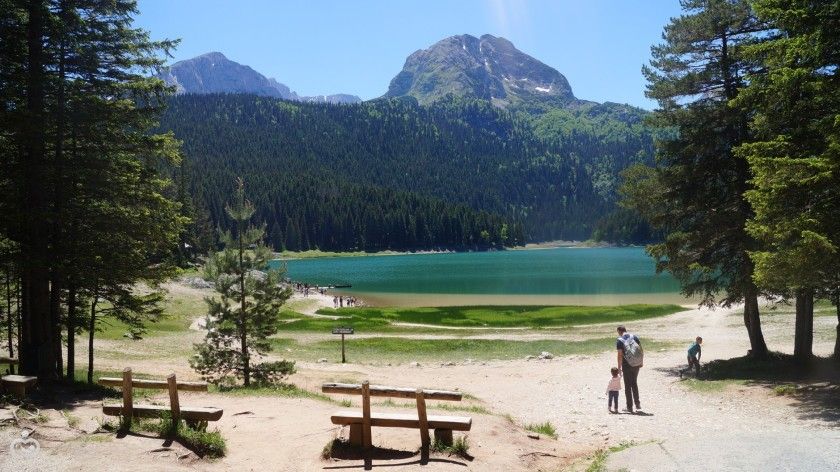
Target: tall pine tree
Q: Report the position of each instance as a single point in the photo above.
(795, 157)
(695, 195)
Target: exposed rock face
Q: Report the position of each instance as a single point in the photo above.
(488, 68)
(215, 73)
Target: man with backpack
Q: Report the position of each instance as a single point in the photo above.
(630, 358)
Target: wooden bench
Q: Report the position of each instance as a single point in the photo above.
(17, 384)
(360, 422)
(129, 410)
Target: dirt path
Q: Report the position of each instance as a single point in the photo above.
(289, 433)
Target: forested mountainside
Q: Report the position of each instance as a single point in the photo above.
(391, 174)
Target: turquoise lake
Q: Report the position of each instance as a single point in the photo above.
(559, 275)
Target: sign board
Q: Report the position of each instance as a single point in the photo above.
(342, 331)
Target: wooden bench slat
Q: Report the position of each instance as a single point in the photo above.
(393, 392)
(19, 379)
(154, 384)
(403, 420)
(155, 411)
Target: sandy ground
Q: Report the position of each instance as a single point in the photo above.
(288, 434)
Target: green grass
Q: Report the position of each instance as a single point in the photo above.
(179, 311)
(394, 349)
(710, 386)
(459, 447)
(444, 406)
(500, 316)
(80, 384)
(783, 390)
(281, 390)
(204, 443)
(776, 368)
(546, 429)
(599, 462)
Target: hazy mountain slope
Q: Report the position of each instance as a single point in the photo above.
(215, 73)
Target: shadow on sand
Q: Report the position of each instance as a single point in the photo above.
(815, 385)
(382, 457)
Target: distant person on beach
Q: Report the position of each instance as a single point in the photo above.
(694, 353)
(630, 358)
(612, 391)
(335, 302)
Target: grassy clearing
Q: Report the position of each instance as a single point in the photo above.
(393, 349)
(180, 310)
(502, 316)
(546, 429)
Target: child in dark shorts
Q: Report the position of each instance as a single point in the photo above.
(694, 353)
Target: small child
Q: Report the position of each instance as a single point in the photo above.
(694, 353)
(612, 390)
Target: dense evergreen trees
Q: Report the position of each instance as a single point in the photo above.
(696, 193)
(390, 174)
(795, 156)
(82, 199)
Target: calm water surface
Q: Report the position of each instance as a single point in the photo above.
(521, 273)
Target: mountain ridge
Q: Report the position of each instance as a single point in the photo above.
(213, 72)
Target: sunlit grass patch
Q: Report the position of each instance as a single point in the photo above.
(504, 316)
(544, 428)
(396, 349)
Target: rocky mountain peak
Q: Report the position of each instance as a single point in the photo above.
(488, 67)
(212, 72)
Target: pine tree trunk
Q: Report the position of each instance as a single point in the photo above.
(9, 316)
(752, 321)
(91, 331)
(55, 321)
(804, 336)
(37, 355)
(837, 339)
(71, 332)
(243, 333)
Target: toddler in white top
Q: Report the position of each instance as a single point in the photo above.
(612, 390)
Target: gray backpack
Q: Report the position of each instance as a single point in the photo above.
(633, 353)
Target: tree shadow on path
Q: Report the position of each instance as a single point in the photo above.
(815, 386)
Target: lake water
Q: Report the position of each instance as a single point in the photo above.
(540, 276)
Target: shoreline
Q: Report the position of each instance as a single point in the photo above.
(419, 300)
(557, 244)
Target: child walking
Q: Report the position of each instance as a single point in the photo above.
(612, 390)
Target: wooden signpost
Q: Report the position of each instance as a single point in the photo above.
(342, 332)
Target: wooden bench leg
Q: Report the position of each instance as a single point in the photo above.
(356, 434)
(18, 390)
(443, 436)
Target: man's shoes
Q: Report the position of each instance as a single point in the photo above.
(638, 407)
(629, 410)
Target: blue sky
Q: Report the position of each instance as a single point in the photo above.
(332, 46)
